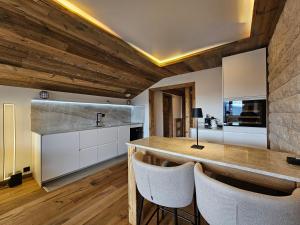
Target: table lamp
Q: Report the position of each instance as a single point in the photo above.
(197, 113)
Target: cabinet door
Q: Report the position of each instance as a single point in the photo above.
(123, 138)
(88, 156)
(244, 75)
(60, 154)
(88, 138)
(246, 139)
(107, 135)
(213, 136)
(107, 151)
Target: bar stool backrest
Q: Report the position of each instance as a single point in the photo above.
(221, 204)
(165, 186)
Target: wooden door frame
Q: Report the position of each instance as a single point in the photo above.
(170, 123)
(152, 125)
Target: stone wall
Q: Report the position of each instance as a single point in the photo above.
(284, 81)
(55, 116)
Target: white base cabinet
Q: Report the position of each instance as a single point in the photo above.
(88, 156)
(65, 153)
(107, 151)
(60, 154)
(243, 136)
(123, 138)
(246, 136)
(209, 135)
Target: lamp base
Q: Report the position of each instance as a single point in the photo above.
(197, 147)
(15, 179)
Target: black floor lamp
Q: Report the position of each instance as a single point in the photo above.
(197, 113)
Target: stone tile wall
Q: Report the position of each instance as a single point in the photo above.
(52, 116)
(284, 80)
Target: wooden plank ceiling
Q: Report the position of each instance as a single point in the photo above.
(44, 46)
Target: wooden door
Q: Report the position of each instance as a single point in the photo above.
(167, 115)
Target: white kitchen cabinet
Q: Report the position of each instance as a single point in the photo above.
(245, 75)
(65, 153)
(209, 135)
(107, 135)
(88, 138)
(246, 136)
(60, 154)
(123, 138)
(88, 156)
(107, 151)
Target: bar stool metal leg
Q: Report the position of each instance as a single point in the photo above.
(196, 217)
(199, 217)
(157, 215)
(175, 217)
(140, 210)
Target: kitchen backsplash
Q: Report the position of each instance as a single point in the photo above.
(47, 116)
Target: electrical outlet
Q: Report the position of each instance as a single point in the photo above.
(26, 169)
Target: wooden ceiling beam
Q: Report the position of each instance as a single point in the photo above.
(69, 24)
(32, 60)
(54, 86)
(51, 81)
(48, 36)
(63, 61)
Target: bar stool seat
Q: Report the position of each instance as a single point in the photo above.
(171, 187)
(221, 204)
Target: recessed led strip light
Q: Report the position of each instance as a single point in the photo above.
(171, 60)
(80, 103)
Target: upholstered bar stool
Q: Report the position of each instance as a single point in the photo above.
(221, 204)
(167, 187)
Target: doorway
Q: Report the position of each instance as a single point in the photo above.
(170, 109)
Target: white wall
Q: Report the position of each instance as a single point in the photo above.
(21, 97)
(208, 92)
(158, 107)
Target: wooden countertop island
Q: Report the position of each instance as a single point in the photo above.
(259, 166)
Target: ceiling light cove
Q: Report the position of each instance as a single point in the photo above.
(168, 31)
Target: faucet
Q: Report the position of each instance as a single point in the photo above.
(99, 119)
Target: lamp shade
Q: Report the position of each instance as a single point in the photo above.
(197, 113)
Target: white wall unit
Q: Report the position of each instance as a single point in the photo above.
(60, 154)
(246, 136)
(107, 135)
(123, 138)
(64, 153)
(243, 136)
(244, 75)
(107, 151)
(88, 156)
(88, 138)
(210, 135)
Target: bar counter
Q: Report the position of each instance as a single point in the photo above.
(260, 166)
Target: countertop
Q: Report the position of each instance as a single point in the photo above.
(47, 132)
(259, 161)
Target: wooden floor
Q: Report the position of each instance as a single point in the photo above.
(95, 200)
